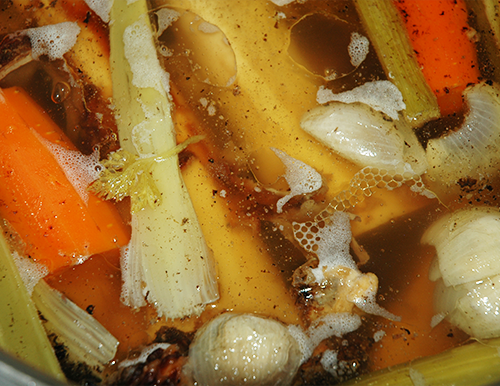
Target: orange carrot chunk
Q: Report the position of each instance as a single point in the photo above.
(441, 39)
(56, 227)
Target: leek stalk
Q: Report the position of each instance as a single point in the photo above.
(473, 364)
(389, 38)
(168, 262)
(21, 332)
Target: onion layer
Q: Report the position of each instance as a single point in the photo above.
(472, 150)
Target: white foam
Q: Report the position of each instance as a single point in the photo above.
(301, 178)
(31, 272)
(329, 361)
(166, 17)
(141, 55)
(335, 324)
(333, 246)
(305, 346)
(142, 358)
(280, 3)
(208, 28)
(102, 8)
(381, 95)
(358, 48)
(80, 169)
(52, 40)
(377, 336)
(368, 303)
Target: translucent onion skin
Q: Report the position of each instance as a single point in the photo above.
(468, 269)
(357, 132)
(472, 150)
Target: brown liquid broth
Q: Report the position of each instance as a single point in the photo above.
(241, 126)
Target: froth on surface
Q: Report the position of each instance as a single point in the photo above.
(101, 8)
(141, 55)
(31, 272)
(166, 17)
(381, 95)
(52, 40)
(301, 178)
(80, 169)
(142, 358)
(358, 48)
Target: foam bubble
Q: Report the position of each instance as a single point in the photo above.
(377, 336)
(52, 40)
(381, 95)
(329, 361)
(280, 3)
(332, 241)
(166, 17)
(31, 272)
(208, 28)
(141, 55)
(335, 324)
(101, 8)
(142, 358)
(80, 169)
(358, 48)
(301, 178)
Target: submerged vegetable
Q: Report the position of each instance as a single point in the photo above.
(239, 349)
(473, 364)
(82, 344)
(443, 44)
(21, 332)
(387, 34)
(472, 150)
(167, 261)
(64, 229)
(468, 269)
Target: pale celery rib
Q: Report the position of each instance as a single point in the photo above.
(85, 339)
(168, 262)
(389, 37)
(21, 332)
(472, 364)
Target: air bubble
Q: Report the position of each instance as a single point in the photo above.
(60, 92)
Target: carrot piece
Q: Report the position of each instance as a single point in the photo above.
(438, 31)
(55, 225)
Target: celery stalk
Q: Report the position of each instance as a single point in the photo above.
(21, 332)
(487, 16)
(473, 364)
(168, 262)
(86, 341)
(389, 37)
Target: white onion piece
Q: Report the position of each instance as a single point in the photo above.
(467, 244)
(472, 150)
(237, 349)
(358, 133)
(473, 307)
